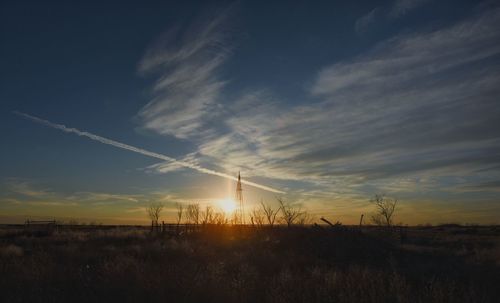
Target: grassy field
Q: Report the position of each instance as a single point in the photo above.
(232, 264)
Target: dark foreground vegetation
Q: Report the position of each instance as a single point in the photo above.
(232, 264)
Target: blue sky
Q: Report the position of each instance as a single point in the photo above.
(328, 102)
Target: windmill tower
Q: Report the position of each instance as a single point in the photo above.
(239, 200)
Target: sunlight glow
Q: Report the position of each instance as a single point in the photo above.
(228, 205)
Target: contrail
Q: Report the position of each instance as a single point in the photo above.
(142, 151)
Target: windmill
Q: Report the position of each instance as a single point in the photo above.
(239, 200)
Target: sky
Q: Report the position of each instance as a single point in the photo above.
(108, 107)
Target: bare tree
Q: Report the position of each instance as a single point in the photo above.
(180, 211)
(289, 212)
(269, 212)
(193, 213)
(384, 209)
(258, 216)
(219, 218)
(305, 218)
(207, 215)
(235, 218)
(154, 212)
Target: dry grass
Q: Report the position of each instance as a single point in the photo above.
(224, 264)
(11, 250)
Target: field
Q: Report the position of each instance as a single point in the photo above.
(250, 264)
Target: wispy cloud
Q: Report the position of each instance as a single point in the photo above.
(104, 197)
(416, 105)
(25, 188)
(166, 167)
(488, 186)
(401, 7)
(17, 190)
(186, 95)
(363, 23)
(396, 10)
(142, 151)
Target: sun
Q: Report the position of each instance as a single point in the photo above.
(228, 205)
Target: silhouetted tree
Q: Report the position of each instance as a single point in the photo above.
(305, 218)
(220, 218)
(257, 216)
(193, 213)
(154, 211)
(207, 215)
(180, 211)
(384, 209)
(289, 213)
(269, 212)
(235, 218)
